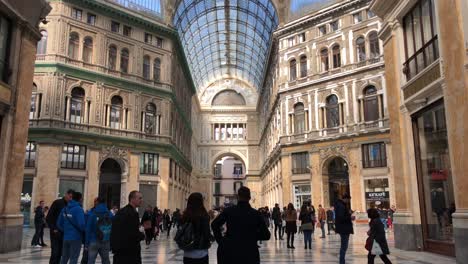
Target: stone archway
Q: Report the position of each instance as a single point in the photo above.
(115, 158)
(335, 173)
(110, 182)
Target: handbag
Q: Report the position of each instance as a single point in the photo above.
(147, 224)
(307, 226)
(376, 249)
(185, 237)
(368, 245)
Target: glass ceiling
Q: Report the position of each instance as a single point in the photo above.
(226, 38)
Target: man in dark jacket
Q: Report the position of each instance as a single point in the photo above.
(245, 226)
(56, 238)
(126, 235)
(343, 224)
(331, 219)
(278, 221)
(38, 225)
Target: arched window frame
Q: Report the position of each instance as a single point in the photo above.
(73, 45)
(42, 44)
(370, 104)
(150, 120)
(292, 70)
(157, 70)
(299, 118)
(324, 60)
(88, 50)
(146, 67)
(116, 112)
(112, 60)
(124, 60)
(336, 52)
(332, 107)
(303, 65)
(361, 49)
(76, 111)
(374, 45)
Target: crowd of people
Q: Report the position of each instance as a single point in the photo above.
(236, 229)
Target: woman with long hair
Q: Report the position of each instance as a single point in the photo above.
(291, 226)
(307, 225)
(196, 214)
(377, 235)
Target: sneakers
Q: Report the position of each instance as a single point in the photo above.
(37, 246)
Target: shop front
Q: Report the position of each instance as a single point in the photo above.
(377, 193)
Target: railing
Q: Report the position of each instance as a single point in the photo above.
(422, 58)
(100, 130)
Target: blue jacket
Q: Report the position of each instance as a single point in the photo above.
(73, 213)
(91, 223)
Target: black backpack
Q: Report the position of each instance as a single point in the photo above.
(185, 237)
(103, 227)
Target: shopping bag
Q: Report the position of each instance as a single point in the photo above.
(376, 249)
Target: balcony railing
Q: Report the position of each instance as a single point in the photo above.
(100, 130)
(426, 55)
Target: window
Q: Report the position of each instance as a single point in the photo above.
(370, 14)
(73, 157)
(115, 26)
(150, 122)
(124, 57)
(148, 38)
(149, 163)
(77, 105)
(420, 37)
(66, 184)
(217, 189)
(334, 26)
(237, 172)
(42, 44)
(374, 155)
(112, 57)
(324, 60)
(300, 163)
(303, 65)
(291, 41)
(302, 37)
(4, 47)
(336, 56)
(374, 45)
(77, 13)
(333, 111)
(73, 46)
(116, 112)
(88, 50)
(361, 49)
(33, 109)
(159, 42)
(218, 170)
(322, 30)
(127, 31)
(157, 70)
(91, 19)
(371, 107)
(299, 118)
(146, 67)
(357, 17)
(292, 70)
(30, 158)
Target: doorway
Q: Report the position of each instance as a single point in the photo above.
(110, 182)
(338, 179)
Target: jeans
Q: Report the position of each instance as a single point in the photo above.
(279, 228)
(71, 251)
(56, 244)
(384, 258)
(322, 226)
(204, 260)
(344, 247)
(307, 238)
(99, 247)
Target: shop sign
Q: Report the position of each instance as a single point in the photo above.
(377, 196)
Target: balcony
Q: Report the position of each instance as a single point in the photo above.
(421, 59)
(95, 129)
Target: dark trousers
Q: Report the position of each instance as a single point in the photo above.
(56, 245)
(279, 228)
(168, 230)
(148, 236)
(37, 235)
(120, 258)
(331, 226)
(384, 258)
(344, 247)
(290, 237)
(196, 261)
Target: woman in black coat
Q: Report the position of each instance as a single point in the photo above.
(377, 234)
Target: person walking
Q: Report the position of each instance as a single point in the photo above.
(283, 217)
(98, 227)
(196, 218)
(322, 217)
(155, 220)
(72, 223)
(331, 219)
(125, 235)
(307, 225)
(38, 225)
(56, 237)
(176, 218)
(168, 222)
(245, 226)
(291, 225)
(277, 221)
(146, 222)
(377, 235)
(343, 224)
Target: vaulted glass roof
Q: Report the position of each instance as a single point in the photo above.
(226, 38)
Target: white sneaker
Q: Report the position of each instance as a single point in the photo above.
(37, 246)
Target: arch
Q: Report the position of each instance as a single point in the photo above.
(299, 118)
(360, 48)
(73, 45)
(150, 119)
(146, 67)
(233, 153)
(374, 44)
(88, 50)
(77, 103)
(336, 54)
(42, 44)
(332, 111)
(371, 104)
(116, 112)
(325, 62)
(335, 177)
(157, 69)
(292, 70)
(110, 181)
(228, 97)
(303, 65)
(124, 60)
(112, 57)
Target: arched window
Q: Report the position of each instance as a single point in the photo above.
(42, 44)
(116, 112)
(124, 57)
(150, 123)
(333, 111)
(336, 56)
(324, 59)
(303, 63)
(146, 67)
(157, 70)
(361, 49)
(112, 63)
(371, 104)
(292, 70)
(374, 45)
(88, 50)
(77, 105)
(73, 46)
(299, 118)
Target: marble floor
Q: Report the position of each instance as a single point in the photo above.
(323, 251)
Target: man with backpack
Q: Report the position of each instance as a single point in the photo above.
(98, 230)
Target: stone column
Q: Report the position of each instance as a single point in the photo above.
(163, 187)
(92, 189)
(67, 111)
(355, 178)
(286, 173)
(316, 178)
